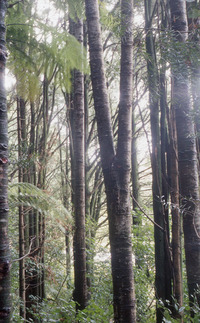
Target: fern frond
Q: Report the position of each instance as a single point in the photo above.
(29, 195)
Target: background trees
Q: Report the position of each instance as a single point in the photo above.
(70, 143)
(5, 264)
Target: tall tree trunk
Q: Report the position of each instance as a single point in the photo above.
(67, 199)
(89, 242)
(80, 290)
(33, 276)
(193, 26)
(39, 224)
(22, 287)
(5, 301)
(116, 167)
(65, 190)
(35, 289)
(165, 157)
(175, 211)
(134, 170)
(162, 259)
(187, 154)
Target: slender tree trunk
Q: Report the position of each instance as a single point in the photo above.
(22, 289)
(134, 169)
(67, 202)
(39, 226)
(187, 154)
(162, 259)
(80, 290)
(5, 301)
(196, 103)
(170, 164)
(65, 189)
(120, 218)
(165, 157)
(28, 281)
(116, 167)
(193, 26)
(175, 211)
(35, 287)
(87, 190)
(32, 283)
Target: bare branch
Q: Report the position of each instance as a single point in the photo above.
(28, 253)
(148, 217)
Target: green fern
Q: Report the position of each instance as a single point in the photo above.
(26, 194)
(36, 48)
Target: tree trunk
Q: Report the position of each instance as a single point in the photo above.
(134, 170)
(35, 286)
(162, 259)
(80, 283)
(193, 26)
(175, 211)
(116, 167)
(22, 289)
(65, 189)
(187, 154)
(5, 301)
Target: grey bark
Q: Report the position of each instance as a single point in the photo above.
(187, 154)
(78, 133)
(115, 166)
(162, 259)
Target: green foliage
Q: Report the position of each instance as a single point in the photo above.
(100, 306)
(68, 55)
(59, 306)
(185, 311)
(31, 196)
(75, 7)
(36, 47)
(21, 44)
(193, 10)
(110, 19)
(144, 268)
(182, 56)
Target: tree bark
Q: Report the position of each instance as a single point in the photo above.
(175, 211)
(5, 301)
(22, 289)
(134, 170)
(193, 28)
(78, 134)
(187, 154)
(162, 259)
(116, 167)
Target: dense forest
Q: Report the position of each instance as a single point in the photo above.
(99, 161)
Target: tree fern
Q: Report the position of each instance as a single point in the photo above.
(29, 195)
(36, 47)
